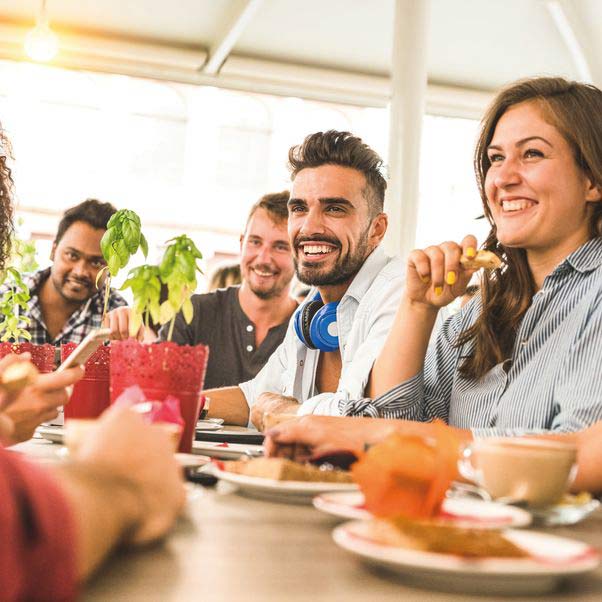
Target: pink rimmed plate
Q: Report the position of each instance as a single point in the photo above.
(552, 559)
(467, 513)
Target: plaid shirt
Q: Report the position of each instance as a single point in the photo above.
(81, 321)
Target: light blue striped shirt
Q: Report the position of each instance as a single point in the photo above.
(551, 382)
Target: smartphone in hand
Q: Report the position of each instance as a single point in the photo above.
(92, 341)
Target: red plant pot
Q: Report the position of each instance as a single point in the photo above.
(42, 356)
(162, 369)
(90, 397)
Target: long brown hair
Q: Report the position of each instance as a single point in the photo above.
(6, 201)
(575, 110)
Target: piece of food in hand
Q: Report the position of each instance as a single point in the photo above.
(17, 376)
(483, 259)
(408, 475)
(281, 469)
(444, 539)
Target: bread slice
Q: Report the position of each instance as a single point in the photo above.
(430, 536)
(281, 469)
(483, 259)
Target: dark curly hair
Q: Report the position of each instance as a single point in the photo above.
(6, 199)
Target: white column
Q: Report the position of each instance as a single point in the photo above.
(408, 92)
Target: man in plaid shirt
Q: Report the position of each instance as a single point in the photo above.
(65, 303)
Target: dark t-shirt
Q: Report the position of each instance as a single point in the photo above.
(220, 322)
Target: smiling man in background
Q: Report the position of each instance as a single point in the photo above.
(65, 303)
(243, 325)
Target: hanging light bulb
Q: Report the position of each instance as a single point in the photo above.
(41, 43)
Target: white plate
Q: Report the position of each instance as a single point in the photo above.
(290, 492)
(208, 425)
(468, 513)
(225, 451)
(553, 559)
(51, 433)
(564, 514)
(191, 459)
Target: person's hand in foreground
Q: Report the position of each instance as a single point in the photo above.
(118, 320)
(311, 436)
(124, 485)
(271, 403)
(314, 436)
(38, 402)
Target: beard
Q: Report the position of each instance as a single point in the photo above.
(266, 292)
(87, 289)
(344, 269)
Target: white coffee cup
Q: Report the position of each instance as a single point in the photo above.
(535, 471)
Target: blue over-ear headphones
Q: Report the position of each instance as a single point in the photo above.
(316, 324)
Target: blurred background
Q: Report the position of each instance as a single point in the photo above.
(185, 110)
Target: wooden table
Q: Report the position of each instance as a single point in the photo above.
(231, 548)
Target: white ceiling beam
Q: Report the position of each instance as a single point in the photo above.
(183, 65)
(242, 13)
(79, 49)
(576, 37)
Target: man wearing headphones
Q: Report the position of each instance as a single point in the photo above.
(336, 224)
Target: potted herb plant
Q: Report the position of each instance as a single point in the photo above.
(162, 369)
(119, 243)
(14, 336)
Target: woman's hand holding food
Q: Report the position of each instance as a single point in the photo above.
(436, 276)
(34, 401)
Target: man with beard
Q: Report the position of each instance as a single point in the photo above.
(242, 325)
(336, 224)
(65, 303)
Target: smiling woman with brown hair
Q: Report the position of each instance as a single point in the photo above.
(524, 355)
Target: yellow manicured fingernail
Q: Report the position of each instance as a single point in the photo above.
(438, 291)
(451, 278)
(471, 252)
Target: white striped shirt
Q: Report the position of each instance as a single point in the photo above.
(551, 382)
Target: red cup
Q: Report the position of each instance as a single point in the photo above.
(90, 397)
(42, 356)
(162, 369)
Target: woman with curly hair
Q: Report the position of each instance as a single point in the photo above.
(6, 206)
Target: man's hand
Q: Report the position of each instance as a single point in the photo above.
(141, 456)
(37, 403)
(274, 404)
(312, 436)
(316, 435)
(118, 320)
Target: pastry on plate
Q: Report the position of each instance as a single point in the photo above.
(281, 469)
